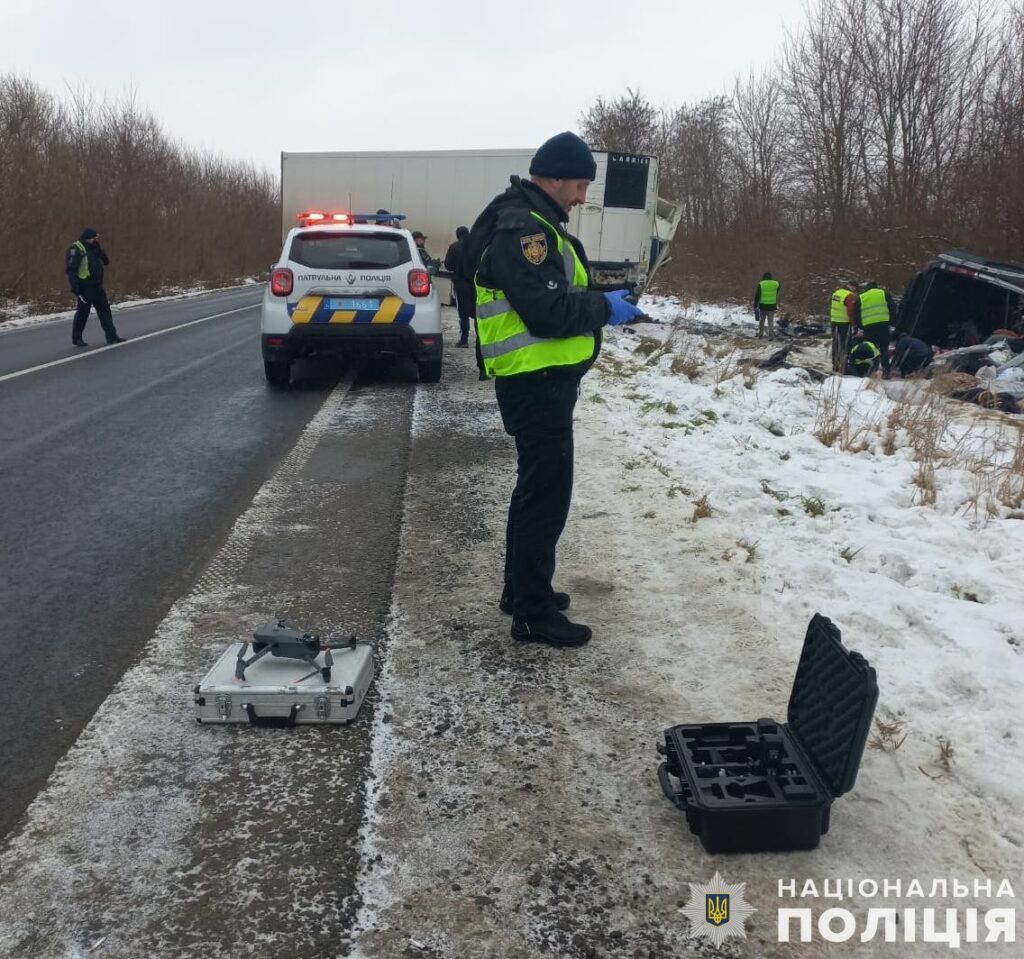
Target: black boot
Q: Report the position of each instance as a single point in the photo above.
(79, 343)
(555, 629)
(505, 603)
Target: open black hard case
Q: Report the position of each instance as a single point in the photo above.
(764, 786)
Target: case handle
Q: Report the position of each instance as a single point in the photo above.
(273, 721)
(668, 789)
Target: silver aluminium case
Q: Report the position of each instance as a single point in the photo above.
(272, 695)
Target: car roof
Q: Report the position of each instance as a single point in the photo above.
(1007, 275)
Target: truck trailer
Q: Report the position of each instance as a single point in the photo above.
(625, 226)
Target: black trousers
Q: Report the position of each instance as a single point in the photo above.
(465, 300)
(94, 296)
(537, 409)
(878, 333)
(840, 346)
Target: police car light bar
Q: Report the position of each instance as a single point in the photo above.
(311, 217)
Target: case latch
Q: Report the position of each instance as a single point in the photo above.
(224, 706)
(323, 707)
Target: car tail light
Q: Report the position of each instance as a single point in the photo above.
(281, 282)
(419, 283)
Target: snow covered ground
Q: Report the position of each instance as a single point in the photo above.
(516, 808)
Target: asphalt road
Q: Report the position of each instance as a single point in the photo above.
(121, 470)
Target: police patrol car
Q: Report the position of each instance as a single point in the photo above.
(348, 285)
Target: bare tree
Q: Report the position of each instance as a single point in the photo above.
(762, 153)
(827, 110)
(629, 124)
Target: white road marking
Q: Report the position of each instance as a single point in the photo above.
(114, 346)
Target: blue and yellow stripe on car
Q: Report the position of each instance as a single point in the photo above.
(311, 310)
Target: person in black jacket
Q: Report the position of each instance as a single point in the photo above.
(539, 329)
(465, 295)
(84, 266)
(911, 354)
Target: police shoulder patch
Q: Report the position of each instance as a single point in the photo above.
(535, 247)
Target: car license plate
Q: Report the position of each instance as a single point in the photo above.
(352, 303)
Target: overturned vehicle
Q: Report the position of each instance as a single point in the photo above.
(963, 299)
(971, 311)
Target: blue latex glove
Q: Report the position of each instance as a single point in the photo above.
(622, 311)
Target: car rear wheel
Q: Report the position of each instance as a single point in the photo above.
(279, 372)
(430, 370)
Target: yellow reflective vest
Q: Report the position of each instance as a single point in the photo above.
(506, 344)
(837, 306)
(83, 264)
(873, 307)
(769, 292)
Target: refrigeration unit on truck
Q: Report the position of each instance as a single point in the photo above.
(625, 226)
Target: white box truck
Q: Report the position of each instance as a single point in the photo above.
(625, 226)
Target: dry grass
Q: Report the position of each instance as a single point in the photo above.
(813, 505)
(1010, 482)
(648, 346)
(687, 363)
(834, 421)
(946, 752)
(725, 369)
(750, 548)
(888, 737)
(702, 509)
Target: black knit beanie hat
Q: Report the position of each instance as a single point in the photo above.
(564, 157)
(88, 233)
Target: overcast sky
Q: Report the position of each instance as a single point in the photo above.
(248, 80)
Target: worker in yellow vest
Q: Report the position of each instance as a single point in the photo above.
(876, 309)
(539, 329)
(766, 299)
(842, 315)
(84, 265)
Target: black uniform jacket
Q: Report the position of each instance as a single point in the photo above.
(511, 251)
(97, 260)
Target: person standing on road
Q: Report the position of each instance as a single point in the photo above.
(539, 331)
(842, 314)
(86, 260)
(875, 309)
(465, 294)
(766, 299)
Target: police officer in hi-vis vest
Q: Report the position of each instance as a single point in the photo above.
(539, 332)
(766, 300)
(842, 311)
(875, 310)
(84, 267)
